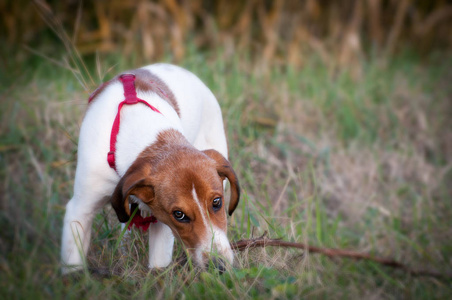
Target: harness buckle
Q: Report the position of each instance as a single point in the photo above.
(128, 82)
(111, 159)
(131, 100)
(127, 75)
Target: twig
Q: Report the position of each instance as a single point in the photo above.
(263, 241)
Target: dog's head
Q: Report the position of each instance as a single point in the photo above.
(184, 190)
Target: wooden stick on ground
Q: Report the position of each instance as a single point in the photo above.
(263, 241)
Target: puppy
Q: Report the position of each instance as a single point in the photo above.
(153, 140)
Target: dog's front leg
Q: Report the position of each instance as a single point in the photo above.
(76, 234)
(161, 241)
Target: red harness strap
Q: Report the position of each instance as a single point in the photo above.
(130, 94)
(139, 221)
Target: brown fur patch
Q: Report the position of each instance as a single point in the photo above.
(172, 167)
(145, 81)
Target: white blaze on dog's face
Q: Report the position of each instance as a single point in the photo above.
(194, 208)
(184, 190)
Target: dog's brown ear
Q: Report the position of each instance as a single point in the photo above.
(225, 170)
(136, 183)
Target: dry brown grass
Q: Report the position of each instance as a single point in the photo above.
(279, 31)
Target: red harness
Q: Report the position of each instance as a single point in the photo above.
(130, 94)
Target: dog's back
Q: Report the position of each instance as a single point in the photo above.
(190, 108)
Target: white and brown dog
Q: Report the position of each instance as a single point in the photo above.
(154, 138)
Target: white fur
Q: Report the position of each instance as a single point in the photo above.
(217, 242)
(161, 241)
(201, 123)
(216, 239)
(201, 211)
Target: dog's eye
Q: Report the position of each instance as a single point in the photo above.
(180, 216)
(216, 203)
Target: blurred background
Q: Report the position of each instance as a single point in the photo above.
(278, 32)
(339, 123)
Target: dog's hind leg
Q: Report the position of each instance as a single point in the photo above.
(211, 134)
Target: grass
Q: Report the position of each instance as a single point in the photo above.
(325, 159)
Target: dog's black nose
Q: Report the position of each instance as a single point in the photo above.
(219, 264)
